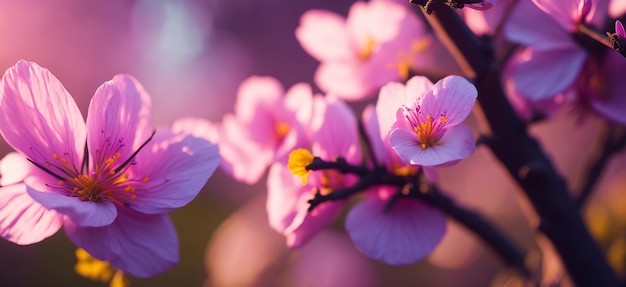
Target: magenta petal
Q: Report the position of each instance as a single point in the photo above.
(140, 244)
(119, 113)
(38, 116)
(403, 234)
(542, 32)
(453, 97)
(176, 168)
(613, 104)
(540, 75)
(565, 12)
(23, 220)
(456, 144)
(83, 213)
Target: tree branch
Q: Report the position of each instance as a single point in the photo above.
(523, 157)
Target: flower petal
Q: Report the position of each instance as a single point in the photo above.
(38, 117)
(453, 97)
(14, 168)
(243, 158)
(283, 192)
(119, 116)
(22, 219)
(403, 234)
(83, 213)
(324, 36)
(345, 80)
(542, 32)
(565, 12)
(456, 144)
(175, 168)
(335, 130)
(140, 244)
(256, 98)
(542, 74)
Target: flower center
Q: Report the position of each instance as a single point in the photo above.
(282, 129)
(367, 51)
(430, 130)
(99, 183)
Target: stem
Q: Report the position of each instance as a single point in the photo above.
(478, 225)
(431, 195)
(524, 159)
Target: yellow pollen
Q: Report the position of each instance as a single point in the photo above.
(60, 182)
(406, 170)
(133, 196)
(282, 129)
(444, 119)
(145, 179)
(419, 45)
(368, 50)
(55, 156)
(121, 180)
(299, 159)
(129, 188)
(97, 270)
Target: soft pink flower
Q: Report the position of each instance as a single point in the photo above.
(401, 232)
(485, 21)
(554, 68)
(334, 130)
(109, 181)
(267, 125)
(428, 129)
(378, 42)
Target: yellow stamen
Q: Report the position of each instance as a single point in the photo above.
(368, 50)
(97, 270)
(145, 179)
(299, 159)
(282, 129)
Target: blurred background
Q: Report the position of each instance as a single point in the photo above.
(191, 55)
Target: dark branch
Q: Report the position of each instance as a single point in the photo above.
(523, 157)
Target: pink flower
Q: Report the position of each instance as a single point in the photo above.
(428, 128)
(378, 42)
(334, 130)
(556, 69)
(110, 181)
(396, 233)
(267, 125)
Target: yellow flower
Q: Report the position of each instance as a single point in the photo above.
(299, 159)
(97, 270)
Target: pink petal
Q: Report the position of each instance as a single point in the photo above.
(243, 158)
(119, 116)
(176, 168)
(307, 224)
(23, 220)
(380, 21)
(392, 96)
(404, 234)
(370, 123)
(456, 144)
(82, 213)
(343, 79)
(453, 96)
(335, 130)
(324, 36)
(38, 117)
(565, 12)
(258, 94)
(617, 8)
(140, 244)
(541, 33)
(542, 74)
(283, 192)
(14, 168)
